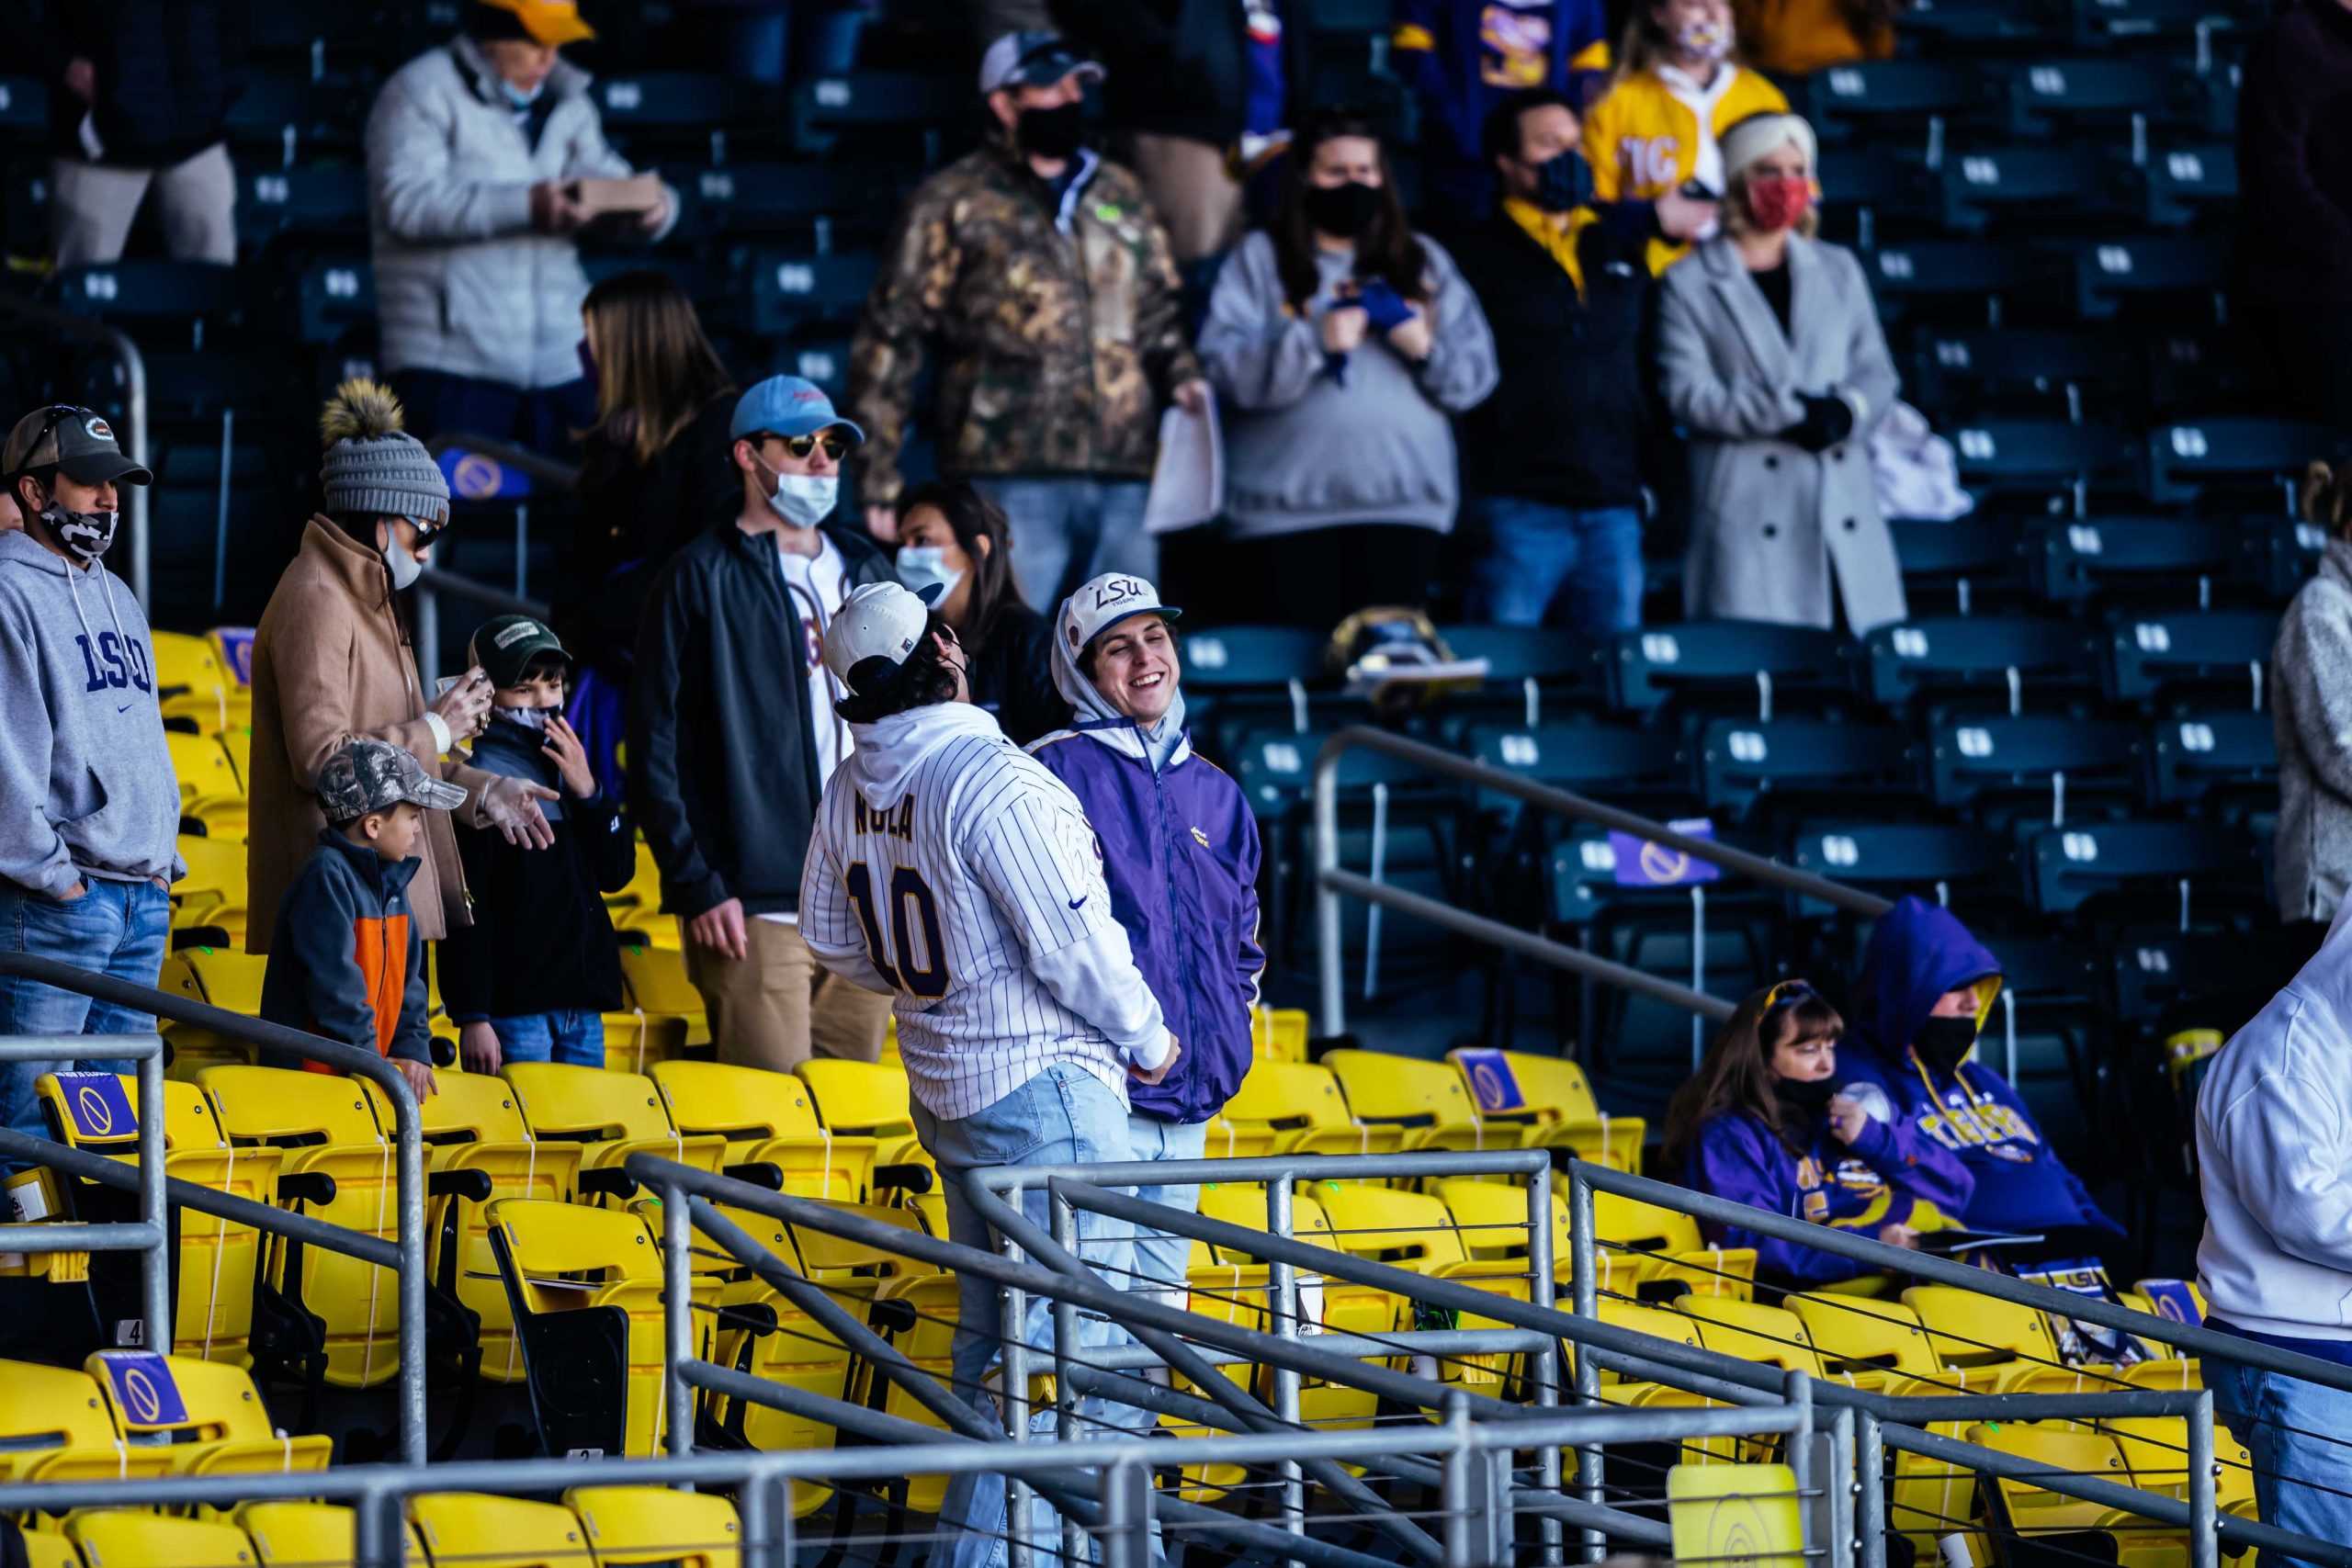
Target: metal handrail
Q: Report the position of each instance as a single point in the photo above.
(431, 584)
(134, 415)
(408, 1136)
(1331, 882)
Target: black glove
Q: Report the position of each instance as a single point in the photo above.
(1826, 422)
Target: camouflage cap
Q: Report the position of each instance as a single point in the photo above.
(376, 775)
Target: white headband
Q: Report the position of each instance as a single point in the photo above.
(1760, 136)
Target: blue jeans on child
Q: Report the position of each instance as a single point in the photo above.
(2295, 1431)
(1534, 553)
(1063, 1116)
(117, 929)
(576, 1039)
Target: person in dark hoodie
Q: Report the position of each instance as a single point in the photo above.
(1181, 853)
(88, 848)
(347, 962)
(1926, 989)
(531, 979)
(1762, 1123)
(1461, 57)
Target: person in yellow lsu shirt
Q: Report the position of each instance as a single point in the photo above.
(1676, 90)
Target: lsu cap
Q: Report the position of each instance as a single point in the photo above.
(74, 438)
(1033, 59)
(786, 405)
(1100, 604)
(369, 776)
(875, 631)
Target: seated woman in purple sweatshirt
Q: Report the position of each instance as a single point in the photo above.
(1762, 1122)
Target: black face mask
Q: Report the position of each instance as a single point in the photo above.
(1940, 1042)
(1342, 211)
(1563, 183)
(1055, 132)
(1805, 1097)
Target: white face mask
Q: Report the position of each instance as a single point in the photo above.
(919, 566)
(803, 500)
(405, 568)
(529, 718)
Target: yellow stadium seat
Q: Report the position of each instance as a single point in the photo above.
(1409, 1230)
(1556, 1109)
(1492, 1218)
(794, 1351)
(1669, 1253)
(213, 891)
(1989, 1344)
(1868, 1342)
(1749, 1514)
(611, 1115)
(595, 1375)
(1427, 1100)
(211, 791)
(298, 1535)
(44, 1549)
(634, 1526)
(657, 984)
(209, 1416)
(768, 1118)
(214, 1311)
(635, 1042)
(1278, 1035)
(478, 1530)
(2031, 1510)
(1623, 1388)
(124, 1537)
(56, 1425)
(1769, 1336)
(918, 1317)
(1295, 1107)
(191, 682)
(852, 1267)
(868, 1099)
(324, 1125)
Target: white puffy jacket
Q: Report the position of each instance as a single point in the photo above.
(462, 283)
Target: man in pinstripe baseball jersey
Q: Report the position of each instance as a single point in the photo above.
(955, 873)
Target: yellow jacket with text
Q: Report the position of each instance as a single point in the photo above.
(1655, 130)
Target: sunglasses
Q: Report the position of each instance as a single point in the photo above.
(801, 445)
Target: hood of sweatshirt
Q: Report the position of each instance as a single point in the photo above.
(84, 730)
(1158, 747)
(888, 752)
(1918, 952)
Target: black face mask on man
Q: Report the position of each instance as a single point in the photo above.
(1563, 182)
(1940, 1042)
(1343, 210)
(1053, 133)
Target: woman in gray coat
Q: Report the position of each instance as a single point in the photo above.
(1770, 356)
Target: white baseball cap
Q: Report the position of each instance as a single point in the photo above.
(880, 620)
(1100, 604)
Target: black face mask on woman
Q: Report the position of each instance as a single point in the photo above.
(1940, 1042)
(1806, 1098)
(1342, 211)
(1054, 132)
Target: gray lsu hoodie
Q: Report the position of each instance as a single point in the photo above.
(86, 785)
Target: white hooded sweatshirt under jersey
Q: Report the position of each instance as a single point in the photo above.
(2273, 1139)
(952, 871)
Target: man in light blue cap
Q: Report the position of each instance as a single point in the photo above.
(727, 759)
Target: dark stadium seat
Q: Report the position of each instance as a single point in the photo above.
(669, 100)
(864, 102)
(1742, 760)
(2045, 764)
(1989, 371)
(2107, 272)
(2157, 653)
(318, 199)
(2069, 866)
(1876, 96)
(2030, 456)
(1643, 767)
(1893, 858)
(2212, 753)
(2012, 659)
(1972, 277)
(1953, 25)
(1237, 677)
(755, 198)
(1967, 564)
(789, 290)
(2292, 551)
(1529, 671)
(1973, 188)
(824, 360)
(332, 297)
(2047, 95)
(1743, 662)
(2173, 187)
(2110, 24)
(24, 104)
(2179, 559)
(148, 291)
(2187, 457)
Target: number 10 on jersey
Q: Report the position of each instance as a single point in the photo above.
(922, 972)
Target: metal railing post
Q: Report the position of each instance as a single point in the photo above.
(1838, 1487)
(1584, 1297)
(1126, 1515)
(155, 1264)
(1282, 1286)
(1011, 1325)
(1065, 1229)
(1869, 1491)
(1334, 1013)
(1544, 1366)
(2204, 1547)
(677, 1315)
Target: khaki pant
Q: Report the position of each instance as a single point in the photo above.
(91, 206)
(772, 1008)
(1192, 191)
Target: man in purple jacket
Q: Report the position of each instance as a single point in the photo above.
(1180, 851)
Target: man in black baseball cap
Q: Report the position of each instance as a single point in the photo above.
(62, 465)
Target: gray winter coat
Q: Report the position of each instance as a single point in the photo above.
(462, 284)
(1769, 520)
(2311, 715)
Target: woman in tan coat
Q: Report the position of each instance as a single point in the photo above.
(332, 659)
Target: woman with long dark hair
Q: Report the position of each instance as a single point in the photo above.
(1342, 343)
(953, 537)
(1762, 1122)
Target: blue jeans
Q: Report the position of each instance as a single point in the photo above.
(1067, 529)
(1535, 553)
(1063, 1116)
(575, 1038)
(2296, 1432)
(118, 928)
(1162, 1258)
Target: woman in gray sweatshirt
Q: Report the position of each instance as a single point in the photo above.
(1341, 345)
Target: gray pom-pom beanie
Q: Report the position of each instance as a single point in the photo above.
(372, 467)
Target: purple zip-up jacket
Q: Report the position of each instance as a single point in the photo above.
(1180, 851)
(1875, 1183)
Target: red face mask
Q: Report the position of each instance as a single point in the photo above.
(1780, 201)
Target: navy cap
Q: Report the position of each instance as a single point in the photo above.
(788, 405)
(1033, 59)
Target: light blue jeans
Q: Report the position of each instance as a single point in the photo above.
(1162, 1258)
(1063, 1116)
(1535, 553)
(118, 928)
(2297, 1432)
(1067, 528)
(573, 1037)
